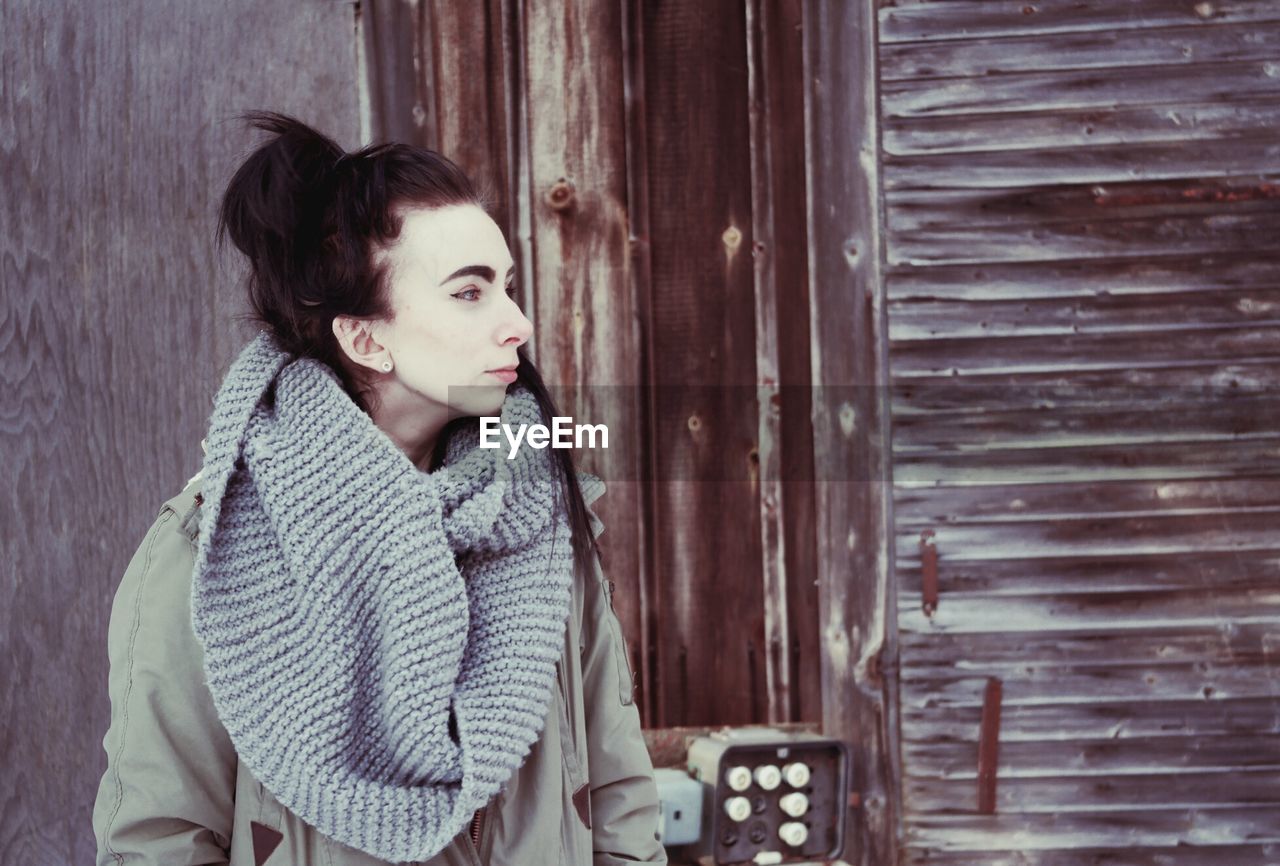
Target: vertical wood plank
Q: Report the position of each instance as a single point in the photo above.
(469, 52)
(779, 255)
(635, 105)
(768, 459)
(398, 46)
(584, 304)
(702, 322)
(851, 462)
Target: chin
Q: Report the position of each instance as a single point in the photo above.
(487, 405)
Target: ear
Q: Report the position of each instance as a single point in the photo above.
(358, 342)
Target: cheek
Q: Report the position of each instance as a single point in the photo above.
(439, 351)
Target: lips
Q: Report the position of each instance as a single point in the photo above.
(504, 374)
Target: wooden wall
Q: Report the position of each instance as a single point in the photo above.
(656, 166)
(119, 134)
(655, 161)
(1082, 282)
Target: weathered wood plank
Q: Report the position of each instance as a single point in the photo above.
(921, 508)
(1146, 462)
(639, 291)
(1099, 536)
(1228, 421)
(1177, 854)
(1084, 611)
(1115, 275)
(470, 114)
(1121, 126)
(947, 760)
(1123, 569)
(1259, 825)
(1084, 238)
(779, 255)
(927, 20)
(1038, 205)
(1101, 313)
(586, 301)
(1081, 352)
(1076, 90)
(702, 326)
(1185, 45)
(1064, 684)
(997, 168)
(1175, 644)
(1122, 720)
(1154, 386)
(850, 431)
(1092, 794)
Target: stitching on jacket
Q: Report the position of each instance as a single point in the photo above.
(128, 690)
(626, 677)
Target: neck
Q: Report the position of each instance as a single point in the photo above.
(413, 427)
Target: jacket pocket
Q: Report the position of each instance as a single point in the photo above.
(626, 679)
(265, 829)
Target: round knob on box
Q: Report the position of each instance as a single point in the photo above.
(793, 833)
(794, 804)
(737, 808)
(768, 776)
(797, 774)
(738, 778)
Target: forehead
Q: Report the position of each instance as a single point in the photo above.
(435, 243)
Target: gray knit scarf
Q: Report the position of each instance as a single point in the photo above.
(380, 642)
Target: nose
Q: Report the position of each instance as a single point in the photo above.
(517, 330)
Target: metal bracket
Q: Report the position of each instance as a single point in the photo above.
(929, 568)
(989, 746)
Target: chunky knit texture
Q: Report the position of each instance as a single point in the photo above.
(353, 608)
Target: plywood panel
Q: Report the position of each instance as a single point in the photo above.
(119, 135)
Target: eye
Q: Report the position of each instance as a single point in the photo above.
(467, 290)
(511, 289)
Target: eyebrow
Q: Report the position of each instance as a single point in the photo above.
(484, 272)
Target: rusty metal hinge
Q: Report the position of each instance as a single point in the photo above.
(929, 570)
(989, 746)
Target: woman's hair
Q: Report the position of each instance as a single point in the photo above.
(312, 220)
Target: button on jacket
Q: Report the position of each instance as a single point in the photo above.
(175, 792)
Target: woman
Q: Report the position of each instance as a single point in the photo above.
(357, 637)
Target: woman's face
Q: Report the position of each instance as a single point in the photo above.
(453, 321)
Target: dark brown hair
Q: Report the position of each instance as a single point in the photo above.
(311, 219)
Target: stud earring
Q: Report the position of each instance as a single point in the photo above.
(386, 366)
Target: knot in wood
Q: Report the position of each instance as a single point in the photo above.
(561, 195)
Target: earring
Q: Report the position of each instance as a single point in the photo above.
(386, 366)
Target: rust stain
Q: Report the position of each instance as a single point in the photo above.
(929, 561)
(1257, 192)
(989, 746)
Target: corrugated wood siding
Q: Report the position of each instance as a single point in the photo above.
(1081, 210)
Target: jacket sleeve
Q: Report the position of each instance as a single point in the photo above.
(624, 797)
(168, 793)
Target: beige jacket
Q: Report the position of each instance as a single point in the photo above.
(175, 792)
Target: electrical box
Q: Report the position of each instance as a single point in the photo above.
(769, 796)
(679, 806)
